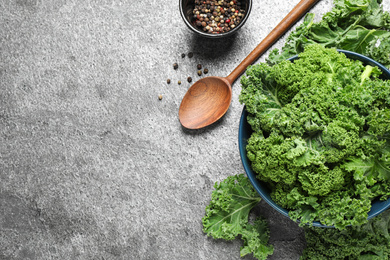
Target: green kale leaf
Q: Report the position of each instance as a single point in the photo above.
(369, 241)
(227, 216)
(256, 238)
(357, 25)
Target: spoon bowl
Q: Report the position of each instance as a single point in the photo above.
(205, 102)
(209, 98)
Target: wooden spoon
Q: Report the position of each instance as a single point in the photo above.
(208, 99)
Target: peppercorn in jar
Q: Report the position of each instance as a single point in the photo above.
(216, 17)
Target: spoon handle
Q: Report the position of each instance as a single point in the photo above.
(293, 16)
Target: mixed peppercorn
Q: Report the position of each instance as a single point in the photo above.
(216, 17)
(189, 79)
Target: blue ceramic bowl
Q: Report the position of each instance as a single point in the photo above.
(245, 132)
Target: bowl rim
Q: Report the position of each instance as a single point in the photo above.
(376, 208)
(218, 35)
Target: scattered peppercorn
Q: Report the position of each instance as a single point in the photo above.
(189, 79)
(175, 66)
(159, 97)
(199, 72)
(183, 55)
(220, 16)
(190, 55)
(168, 81)
(179, 82)
(199, 66)
(205, 71)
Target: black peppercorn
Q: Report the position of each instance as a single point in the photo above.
(199, 66)
(183, 55)
(175, 66)
(168, 81)
(199, 72)
(189, 79)
(205, 71)
(190, 55)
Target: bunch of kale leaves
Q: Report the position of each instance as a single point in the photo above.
(355, 25)
(321, 135)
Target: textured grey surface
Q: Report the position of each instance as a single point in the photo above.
(92, 164)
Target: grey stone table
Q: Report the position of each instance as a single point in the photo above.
(92, 164)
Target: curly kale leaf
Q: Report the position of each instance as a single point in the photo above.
(380, 50)
(276, 158)
(230, 204)
(373, 169)
(369, 241)
(227, 216)
(357, 25)
(266, 98)
(256, 237)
